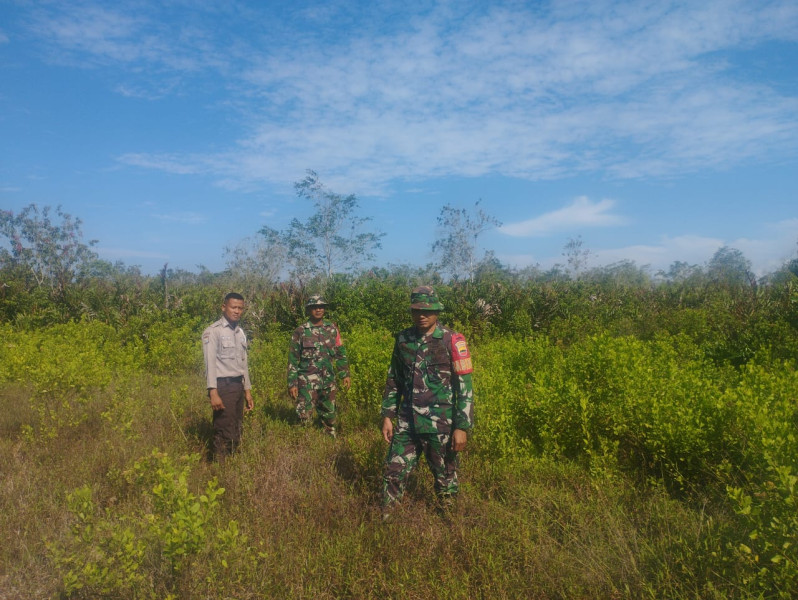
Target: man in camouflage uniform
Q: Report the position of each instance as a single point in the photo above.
(429, 394)
(315, 357)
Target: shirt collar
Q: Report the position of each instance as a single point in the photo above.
(227, 323)
(437, 333)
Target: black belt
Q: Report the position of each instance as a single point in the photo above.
(237, 379)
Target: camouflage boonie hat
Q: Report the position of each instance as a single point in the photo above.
(424, 298)
(316, 300)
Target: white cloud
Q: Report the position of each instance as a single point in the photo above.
(188, 218)
(96, 34)
(580, 213)
(629, 89)
(691, 249)
(772, 252)
(144, 92)
(635, 94)
(121, 253)
(767, 254)
(168, 163)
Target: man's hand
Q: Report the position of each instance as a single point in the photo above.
(459, 439)
(346, 382)
(216, 399)
(293, 392)
(250, 402)
(387, 429)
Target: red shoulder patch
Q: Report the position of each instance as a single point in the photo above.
(338, 340)
(461, 357)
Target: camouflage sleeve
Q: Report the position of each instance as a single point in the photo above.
(463, 389)
(341, 359)
(294, 355)
(391, 395)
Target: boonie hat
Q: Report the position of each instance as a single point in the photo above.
(424, 298)
(316, 300)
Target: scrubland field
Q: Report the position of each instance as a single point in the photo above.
(632, 441)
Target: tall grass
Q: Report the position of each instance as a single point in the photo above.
(307, 512)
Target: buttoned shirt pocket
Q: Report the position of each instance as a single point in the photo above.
(308, 347)
(227, 346)
(439, 368)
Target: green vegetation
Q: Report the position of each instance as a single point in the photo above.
(632, 441)
(635, 438)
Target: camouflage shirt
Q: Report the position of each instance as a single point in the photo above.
(423, 387)
(316, 356)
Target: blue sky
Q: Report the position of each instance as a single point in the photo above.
(656, 131)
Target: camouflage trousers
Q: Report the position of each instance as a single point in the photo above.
(323, 400)
(403, 455)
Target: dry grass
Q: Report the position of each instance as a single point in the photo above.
(308, 506)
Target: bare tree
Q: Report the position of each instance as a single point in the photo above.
(257, 261)
(51, 251)
(333, 235)
(460, 229)
(576, 255)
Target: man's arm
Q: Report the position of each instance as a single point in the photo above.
(463, 392)
(294, 354)
(462, 386)
(216, 399)
(387, 429)
(247, 381)
(209, 347)
(341, 360)
(391, 395)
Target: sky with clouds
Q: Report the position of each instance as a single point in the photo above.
(652, 131)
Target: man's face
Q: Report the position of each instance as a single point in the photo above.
(232, 310)
(316, 313)
(424, 320)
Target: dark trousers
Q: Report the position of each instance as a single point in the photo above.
(227, 423)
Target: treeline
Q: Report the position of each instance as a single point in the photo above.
(49, 274)
(721, 306)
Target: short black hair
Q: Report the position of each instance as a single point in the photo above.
(233, 296)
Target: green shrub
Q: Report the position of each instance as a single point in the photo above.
(173, 346)
(139, 552)
(369, 349)
(764, 541)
